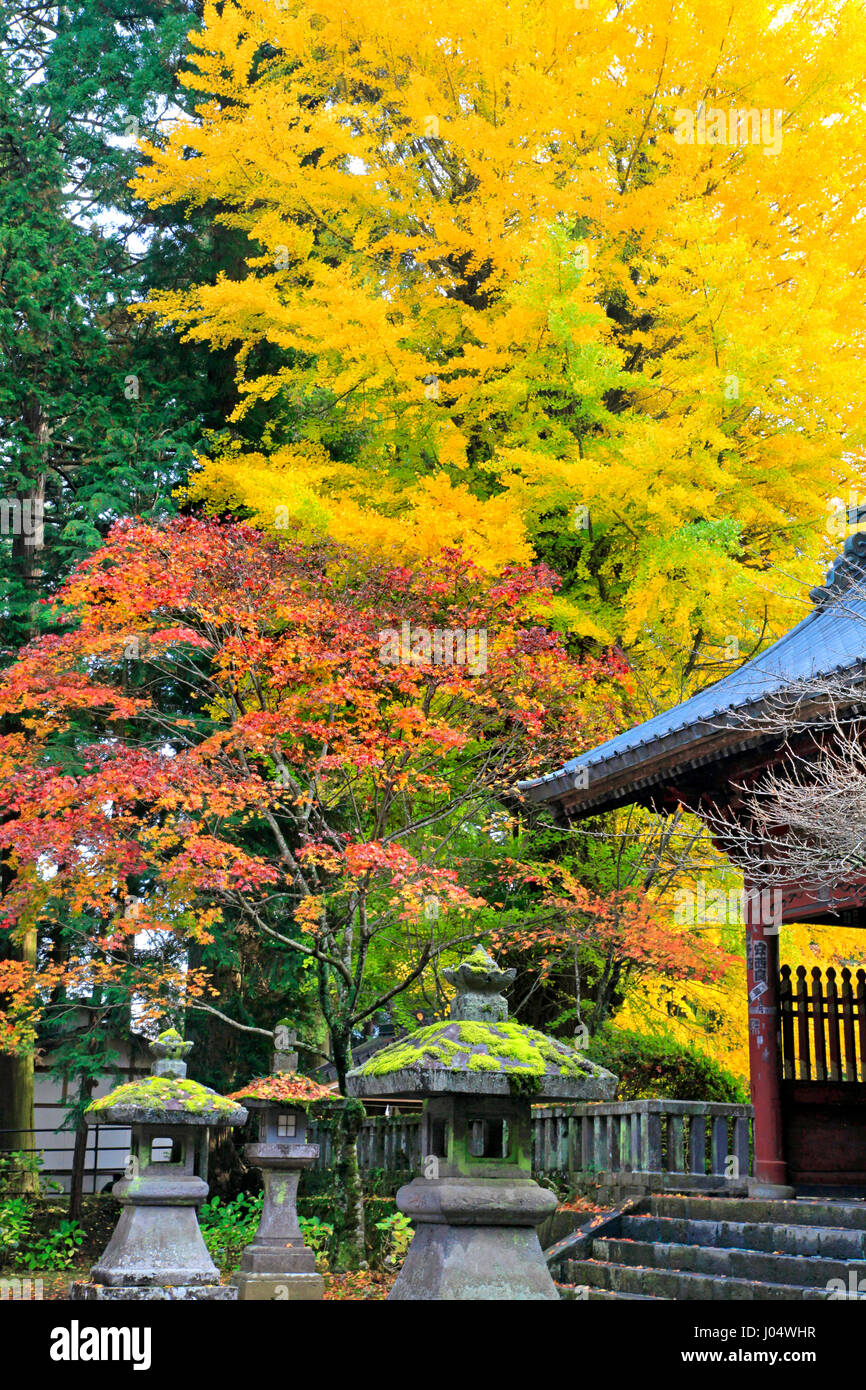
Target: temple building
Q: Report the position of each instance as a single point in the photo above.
(807, 1038)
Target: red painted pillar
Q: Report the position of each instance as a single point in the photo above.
(762, 969)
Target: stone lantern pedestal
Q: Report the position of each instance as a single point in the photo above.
(277, 1265)
(475, 1206)
(157, 1250)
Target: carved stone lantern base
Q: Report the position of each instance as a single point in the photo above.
(277, 1265)
(296, 1280)
(137, 1293)
(157, 1250)
(287, 1286)
(475, 1240)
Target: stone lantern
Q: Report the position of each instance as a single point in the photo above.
(476, 1206)
(277, 1264)
(157, 1250)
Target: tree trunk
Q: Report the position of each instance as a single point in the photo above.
(227, 1172)
(606, 991)
(79, 1155)
(17, 1079)
(578, 1017)
(16, 1095)
(349, 1236)
(349, 1242)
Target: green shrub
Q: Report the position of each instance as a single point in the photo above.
(57, 1250)
(318, 1235)
(655, 1066)
(228, 1226)
(16, 1164)
(15, 1221)
(22, 1247)
(383, 1235)
(397, 1231)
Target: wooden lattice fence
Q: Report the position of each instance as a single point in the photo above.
(823, 1024)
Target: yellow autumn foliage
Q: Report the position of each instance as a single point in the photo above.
(584, 281)
(537, 278)
(713, 1017)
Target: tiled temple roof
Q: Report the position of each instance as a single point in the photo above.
(702, 730)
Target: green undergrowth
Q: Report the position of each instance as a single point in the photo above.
(652, 1067)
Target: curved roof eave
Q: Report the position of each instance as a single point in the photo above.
(829, 640)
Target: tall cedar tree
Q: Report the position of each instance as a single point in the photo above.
(99, 413)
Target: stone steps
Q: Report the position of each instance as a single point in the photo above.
(728, 1263)
(831, 1242)
(628, 1280)
(805, 1212)
(702, 1248)
(590, 1295)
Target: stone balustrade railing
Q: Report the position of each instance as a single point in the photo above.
(627, 1147)
(613, 1149)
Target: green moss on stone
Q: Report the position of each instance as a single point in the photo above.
(480, 959)
(472, 1046)
(479, 1061)
(165, 1094)
(474, 1032)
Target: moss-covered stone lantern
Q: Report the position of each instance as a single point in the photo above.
(476, 1206)
(157, 1250)
(277, 1264)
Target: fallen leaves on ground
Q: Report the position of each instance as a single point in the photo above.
(361, 1284)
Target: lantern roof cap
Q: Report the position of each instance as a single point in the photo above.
(165, 1100)
(166, 1096)
(468, 1057)
(479, 1052)
(289, 1088)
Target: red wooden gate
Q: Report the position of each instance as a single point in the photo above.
(823, 1060)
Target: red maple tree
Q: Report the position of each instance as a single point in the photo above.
(223, 736)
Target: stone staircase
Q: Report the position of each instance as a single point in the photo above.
(737, 1248)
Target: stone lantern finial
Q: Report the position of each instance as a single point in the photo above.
(169, 1051)
(478, 981)
(285, 1058)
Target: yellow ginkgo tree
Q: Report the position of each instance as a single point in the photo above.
(578, 280)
